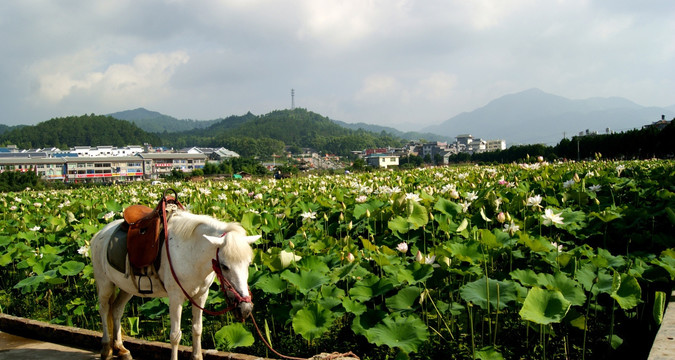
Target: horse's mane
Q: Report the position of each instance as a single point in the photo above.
(236, 248)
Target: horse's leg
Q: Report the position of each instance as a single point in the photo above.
(106, 292)
(175, 309)
(197, 327)
(117, 311)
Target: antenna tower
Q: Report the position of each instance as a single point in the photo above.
(292, 99)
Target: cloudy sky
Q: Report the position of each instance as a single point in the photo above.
(391, 62)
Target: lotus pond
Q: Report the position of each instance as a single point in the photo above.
(521, 261)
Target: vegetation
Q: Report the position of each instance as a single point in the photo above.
(86, 130)
(519, 261)
(19, 180)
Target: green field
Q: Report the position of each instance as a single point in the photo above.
(531, 261)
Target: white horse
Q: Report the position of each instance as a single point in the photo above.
(194, 240)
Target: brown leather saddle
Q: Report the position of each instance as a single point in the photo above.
(143, 232)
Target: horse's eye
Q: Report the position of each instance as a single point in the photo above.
(225, 267)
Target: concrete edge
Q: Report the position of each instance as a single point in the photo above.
(664, 343)
(91, 340)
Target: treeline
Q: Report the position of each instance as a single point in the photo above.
(635, 144)
(19, 180)
(71, 131)
(265, 135)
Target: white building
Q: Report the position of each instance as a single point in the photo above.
(382, 160)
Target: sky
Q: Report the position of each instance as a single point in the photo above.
(399, 63)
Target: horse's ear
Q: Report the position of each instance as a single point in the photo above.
(215, 240)
(252, 239)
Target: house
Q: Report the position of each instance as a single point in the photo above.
(382, 160)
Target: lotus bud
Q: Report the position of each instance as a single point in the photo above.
(597, 202)
(419, 257)
(367, 213)
(342, 217)
(501, 217)
(291, 245)
(431, 216)
(349, 227)
(576, 177)
(344, 207)
(325, 217)
(508, 216)
(350, 257)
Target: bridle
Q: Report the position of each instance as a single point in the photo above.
(225, 285)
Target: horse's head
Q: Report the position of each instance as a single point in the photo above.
(233, 259)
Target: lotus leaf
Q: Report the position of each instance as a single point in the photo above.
(628, 293)
(233, 336)
(498, 293)
(404, 299)
(305, 280)
(312, 321)
(544, 306)
(405, 333)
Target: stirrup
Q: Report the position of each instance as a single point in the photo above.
(141, 276)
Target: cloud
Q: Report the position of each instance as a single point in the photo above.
(148, 75)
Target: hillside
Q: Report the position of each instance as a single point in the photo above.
(534, 116)
(152, 121)
(86, 130)
(268, 134)
(409, 135)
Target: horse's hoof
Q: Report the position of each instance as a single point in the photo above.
(126, 356)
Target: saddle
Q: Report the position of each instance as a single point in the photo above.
(140, 238)
(143, 234)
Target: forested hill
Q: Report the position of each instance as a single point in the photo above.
(86, 130)
(152, 121)
(268, 134)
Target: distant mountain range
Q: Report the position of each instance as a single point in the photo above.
(534, 116)
(152, 121)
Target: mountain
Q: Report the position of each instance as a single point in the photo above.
(409, 135)
(534, 116)
(86, 130)
(152, 121)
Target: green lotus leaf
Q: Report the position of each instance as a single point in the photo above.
(404, 333)
(568, 287)
(659, 306)
(251, 222)
(305, 280)
(312, 321)
(469, 252)
(371, 287)
(417, 215)
(353, 306)
(71, 268)
(233, 336)
(498, 293)
(404, 299)
(628, 293)
(448, 207)
(413, 273)
(367, 320)
(399, 224)
(544, 306)
(314, 263)
(489, 353)
(271, 284)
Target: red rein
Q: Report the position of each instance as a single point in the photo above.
(225, 285)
